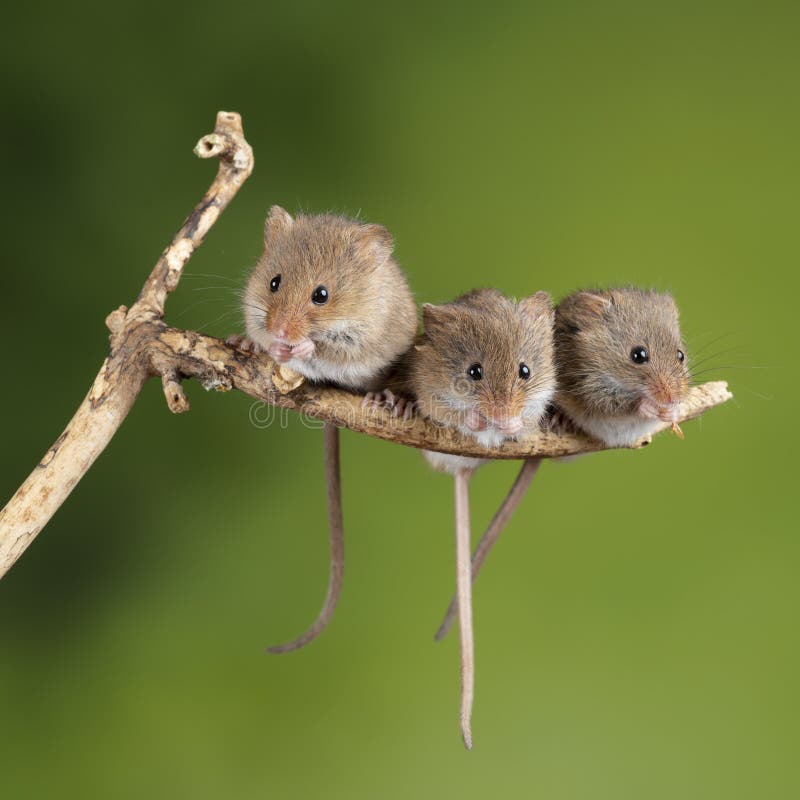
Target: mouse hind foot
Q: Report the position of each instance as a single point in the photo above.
(399, 405)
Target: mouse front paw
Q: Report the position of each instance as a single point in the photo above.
(304, 350)
(280, 352)
(399, 406)
(244, 344)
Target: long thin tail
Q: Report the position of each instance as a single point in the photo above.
(334, 485)
(464, 594)
(492, 534)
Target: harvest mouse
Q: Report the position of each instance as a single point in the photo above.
(622, 368)
(328, 299)
(484, 365)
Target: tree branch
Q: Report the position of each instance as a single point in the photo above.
(126, 368)
(143, 346)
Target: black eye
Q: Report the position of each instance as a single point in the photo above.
(475, 372)
(275, 283)
(681, 356)
(319, 296)
(524, 371)
(639, 355)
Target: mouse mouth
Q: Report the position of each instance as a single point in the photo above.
(291, 342)
(666, 412)
(508, 426)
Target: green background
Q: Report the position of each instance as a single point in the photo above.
(636, 630)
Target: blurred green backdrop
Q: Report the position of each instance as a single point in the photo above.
(636, 629)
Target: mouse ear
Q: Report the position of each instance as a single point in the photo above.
(536, 306)
(279, 220)
(437, 317)
(593, 302)
(375, 242)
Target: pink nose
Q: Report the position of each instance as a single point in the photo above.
(508, 424)
(279, 333)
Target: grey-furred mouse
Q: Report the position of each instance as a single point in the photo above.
(484, 365)
(621, 361)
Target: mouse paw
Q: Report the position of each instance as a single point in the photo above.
(475, 421)
(304, 350)
(399, 406)
(243, 343)
(280, 352)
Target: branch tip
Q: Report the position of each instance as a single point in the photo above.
(173, 392)
(115, 321)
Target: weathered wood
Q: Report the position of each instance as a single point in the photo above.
(128, 364)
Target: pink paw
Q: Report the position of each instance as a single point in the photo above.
(652, 410)
(304, 350)
(280, 352)
(243, 343)
(398, 405)
(475, 421)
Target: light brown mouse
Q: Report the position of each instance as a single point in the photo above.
(484, 366)
(328, 299)
(621, 360)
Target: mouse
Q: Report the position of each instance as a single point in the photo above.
(328, 299)
(622, 365)
(508, 382)
(483, 365)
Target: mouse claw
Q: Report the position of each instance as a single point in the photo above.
(304, 350)
(400, 407)
(244, 343)
(404, 408)
(280, 352)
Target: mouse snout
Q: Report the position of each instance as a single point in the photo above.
(662, 400)
(288, 328)
(504, 419)
(667, 390)
(508, 425)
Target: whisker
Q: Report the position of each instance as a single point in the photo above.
(713, 341)
(196, 275)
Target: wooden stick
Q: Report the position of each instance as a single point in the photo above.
(336, 526)
(514, 497)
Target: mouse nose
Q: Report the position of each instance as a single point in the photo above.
(665, 392)
(507, 423)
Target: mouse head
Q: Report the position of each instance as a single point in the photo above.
(487, 362)
(620, 351)
(316, 276)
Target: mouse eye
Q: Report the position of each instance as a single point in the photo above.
(275, 283)
(681, 356)
(475, 372)
(319, 296)
(639, 355)
(524, 371)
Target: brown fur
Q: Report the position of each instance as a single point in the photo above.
(483, 327)
(595, 333)
(370, 318)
